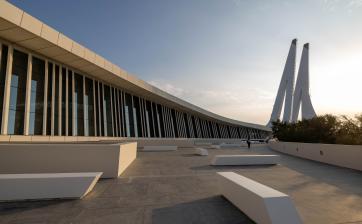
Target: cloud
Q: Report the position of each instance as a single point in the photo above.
(245, 104)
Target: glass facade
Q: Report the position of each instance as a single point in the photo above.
(3, 66)
(37, 97)
(78, 129)
(64, 102)
(89, 108)
(17, 93)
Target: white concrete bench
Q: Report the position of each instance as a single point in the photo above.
(46, 185)
(111, 159)
(261, 203)
(159, 148)
(234, 160)
(201, 152)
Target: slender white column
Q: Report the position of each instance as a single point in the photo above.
(145, 118)
(60, 88)
(123, 113)
(85, 111)
(171, 121)
(111, 95)
(94, 108)
(99, 110)
(53, 101)
(153, 119)
(182, 123)
(73, 107)
(191, 130)
(141, 116)
(178, 124)
(167, 122)
(115, 132)
(28, 95)
(45, 105)
(158, 122)
(104, 113)
(164, 122)
(215, 130)
(9, 67)
(66, 102)
(119, 106)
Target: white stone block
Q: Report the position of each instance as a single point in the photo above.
(234, 160)
(46, 186)
(261, 203)
(152, 148)
(201, 152)
(111, 159)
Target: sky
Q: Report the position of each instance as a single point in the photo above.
(226, 56)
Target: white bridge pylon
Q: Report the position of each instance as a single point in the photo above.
(294, 98)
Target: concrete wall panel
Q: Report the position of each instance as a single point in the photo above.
(10, 12)
(65, 42)
(348, 156)
(31, 24)
(49, 34)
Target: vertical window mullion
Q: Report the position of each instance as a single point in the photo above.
(5, 118)
(27, 96)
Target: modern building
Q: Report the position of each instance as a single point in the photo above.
(51, 85)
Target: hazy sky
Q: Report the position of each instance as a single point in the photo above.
(226, 56)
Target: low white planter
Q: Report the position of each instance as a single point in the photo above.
(349, 156)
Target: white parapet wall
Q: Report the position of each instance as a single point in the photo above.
(111, 159)
(242, 160)
(261, 203)
(46, 186)
(349, 156)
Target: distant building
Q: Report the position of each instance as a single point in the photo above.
(294, 98)
(51, 86)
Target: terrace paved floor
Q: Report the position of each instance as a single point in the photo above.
(180, 187)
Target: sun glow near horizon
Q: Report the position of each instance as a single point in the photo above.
(336, 81)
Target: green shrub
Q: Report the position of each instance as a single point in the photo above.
(328, 129)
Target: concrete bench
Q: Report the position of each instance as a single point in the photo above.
(46, 185)
(234, 160)
(201, 152)
(111, 159)
(261, 203)
(159, 148)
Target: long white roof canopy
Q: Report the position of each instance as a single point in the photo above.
(22, 29)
